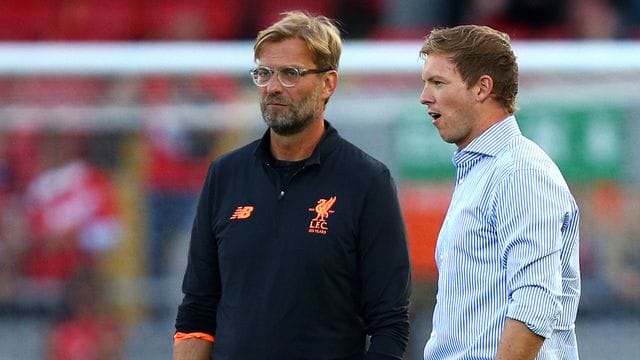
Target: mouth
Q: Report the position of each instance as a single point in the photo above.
(434, 115)
(275, 103)
(275, 106)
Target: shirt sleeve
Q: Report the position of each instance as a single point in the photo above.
(532, 210)
(201, 283)
(384, 271)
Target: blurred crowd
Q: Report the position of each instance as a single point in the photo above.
(62, 203)
(85, 207)
(240, 19)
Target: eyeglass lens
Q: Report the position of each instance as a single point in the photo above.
(288, 76)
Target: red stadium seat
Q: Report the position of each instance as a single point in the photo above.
(97, 20)
(269, 11)
(216, 87)
(26, 19)
(156, 90)
(53, 90)
(193, 19)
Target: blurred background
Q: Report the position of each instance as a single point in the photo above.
(110, 112)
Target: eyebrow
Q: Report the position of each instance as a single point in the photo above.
(435, 78)
(282, 66)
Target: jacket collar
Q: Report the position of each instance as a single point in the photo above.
(327, 144)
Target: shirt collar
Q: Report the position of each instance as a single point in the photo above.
(492, 140)
(326, 145)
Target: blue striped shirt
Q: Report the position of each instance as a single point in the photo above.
(508, 248)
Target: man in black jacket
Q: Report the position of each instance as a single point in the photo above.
(298, 249)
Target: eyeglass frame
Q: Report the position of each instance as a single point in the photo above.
(300, 73)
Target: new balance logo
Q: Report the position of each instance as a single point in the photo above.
(318, 224)
(242, 212)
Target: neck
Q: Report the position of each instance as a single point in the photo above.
(489, 117)
(299, 146)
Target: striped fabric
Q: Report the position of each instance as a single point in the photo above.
(508, 248)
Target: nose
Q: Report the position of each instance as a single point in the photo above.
(425, 97)
(274, 84)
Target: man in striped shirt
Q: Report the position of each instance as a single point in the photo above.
(507, 253)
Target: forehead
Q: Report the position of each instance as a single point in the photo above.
(292, 51)
(439, 65)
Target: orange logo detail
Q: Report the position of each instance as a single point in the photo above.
(318, 224)
(242, 212)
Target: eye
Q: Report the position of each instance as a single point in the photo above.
(263, 72)
(435, 82)
(290, 72)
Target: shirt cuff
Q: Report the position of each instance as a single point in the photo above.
(179, 336)
(537, 309)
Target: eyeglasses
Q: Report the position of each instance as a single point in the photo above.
(287, 75)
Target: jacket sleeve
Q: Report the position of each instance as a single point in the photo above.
(384, 270)
(201, 283)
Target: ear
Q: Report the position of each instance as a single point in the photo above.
(330, 82)
(483, 88)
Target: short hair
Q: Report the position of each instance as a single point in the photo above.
(475, 51)
(319, 33)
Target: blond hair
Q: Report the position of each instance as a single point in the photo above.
(319, 33)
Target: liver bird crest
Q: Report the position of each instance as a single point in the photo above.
(323, 208)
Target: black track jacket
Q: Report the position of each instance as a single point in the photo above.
(302, 270)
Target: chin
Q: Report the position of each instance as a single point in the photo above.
(287, 129)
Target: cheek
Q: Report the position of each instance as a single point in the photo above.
(454, 101)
